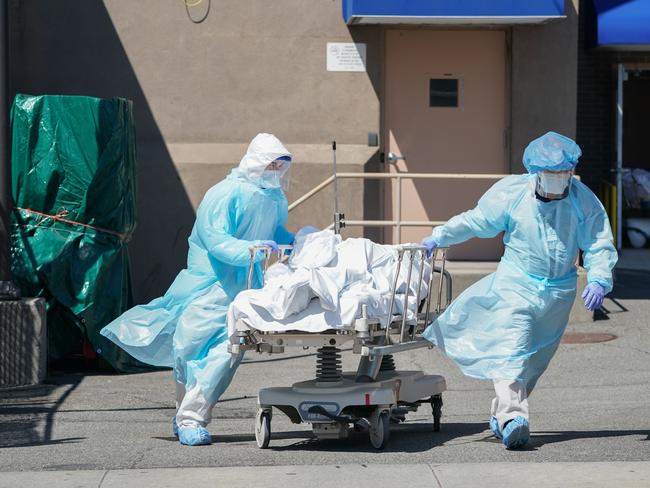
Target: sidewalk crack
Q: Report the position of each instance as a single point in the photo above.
(102, 480)
(433, 472)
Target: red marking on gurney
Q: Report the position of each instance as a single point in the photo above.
(367, 399)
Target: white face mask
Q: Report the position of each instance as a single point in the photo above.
(553, 183)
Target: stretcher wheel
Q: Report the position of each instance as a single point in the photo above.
(436, 406)
(379, 429)
(263, 428)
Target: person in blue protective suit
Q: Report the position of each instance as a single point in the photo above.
(186, 328)
(507, 326)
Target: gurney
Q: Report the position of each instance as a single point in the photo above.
(374, 395)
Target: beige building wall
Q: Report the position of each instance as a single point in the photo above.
(201, 92)
(544, 81)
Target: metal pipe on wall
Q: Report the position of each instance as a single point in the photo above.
(620, 78)
(5, 170)
(7, 288)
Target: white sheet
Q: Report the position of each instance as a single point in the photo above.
(324, 286)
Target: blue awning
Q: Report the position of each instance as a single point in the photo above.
(451, 11)
(623, 24)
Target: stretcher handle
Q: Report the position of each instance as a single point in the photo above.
(443, 261)
(448, 284)
(443, 274)
(405, 307)
(267, 253)
(413, 251)
(393, 288)
(423, 257)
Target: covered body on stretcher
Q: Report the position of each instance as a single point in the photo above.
(329, 286)
(330, 293)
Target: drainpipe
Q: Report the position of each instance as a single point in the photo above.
(8, 290)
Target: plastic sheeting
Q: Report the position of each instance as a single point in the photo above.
(551, 152)
(507, 326)
(186, 327)
(636, 187)
(73, 183)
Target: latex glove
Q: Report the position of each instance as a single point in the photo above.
(430, 244)
(593, 295)
(307, 229)
(272, 244)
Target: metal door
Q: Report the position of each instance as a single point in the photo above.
(445, 112)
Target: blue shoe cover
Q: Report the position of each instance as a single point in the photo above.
(494, 426)
(194, 436)
(516, 433)
(174, 426)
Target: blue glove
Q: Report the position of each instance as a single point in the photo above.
(430, 244)
(272, 244)
(307, 229)
(593, 295)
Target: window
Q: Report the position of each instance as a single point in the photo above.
(443, 92)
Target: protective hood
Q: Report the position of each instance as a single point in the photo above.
(263, 150)
(552, 152)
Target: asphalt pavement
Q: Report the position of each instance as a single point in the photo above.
(591, 406)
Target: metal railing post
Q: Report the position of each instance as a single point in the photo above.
(399, 210)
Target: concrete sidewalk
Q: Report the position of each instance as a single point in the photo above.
(531, 475)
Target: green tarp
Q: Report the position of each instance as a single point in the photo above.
(74, 190)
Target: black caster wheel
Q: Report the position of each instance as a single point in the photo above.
(436, 406)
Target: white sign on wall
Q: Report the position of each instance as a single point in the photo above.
(346, 56)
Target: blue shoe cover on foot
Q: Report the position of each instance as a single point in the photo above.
(516, 433)
(174, 426)
(194, 436)
(494, 426)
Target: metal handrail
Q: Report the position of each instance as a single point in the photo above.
(397, 223)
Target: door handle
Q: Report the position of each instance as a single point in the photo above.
(393, 158)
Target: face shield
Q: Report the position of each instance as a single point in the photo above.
(553, 185)
(276, 174)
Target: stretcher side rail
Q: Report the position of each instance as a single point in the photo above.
(366, 333)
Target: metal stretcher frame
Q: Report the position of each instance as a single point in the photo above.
(377, 393)
(365, 332)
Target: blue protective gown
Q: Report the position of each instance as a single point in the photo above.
(186, 328)
(508, 325)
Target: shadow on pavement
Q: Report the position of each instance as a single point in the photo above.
(538, 439)
(628, 285)
(27, 413)
(631, 285)
(409, 437)
(237, 438)
(134, 409)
